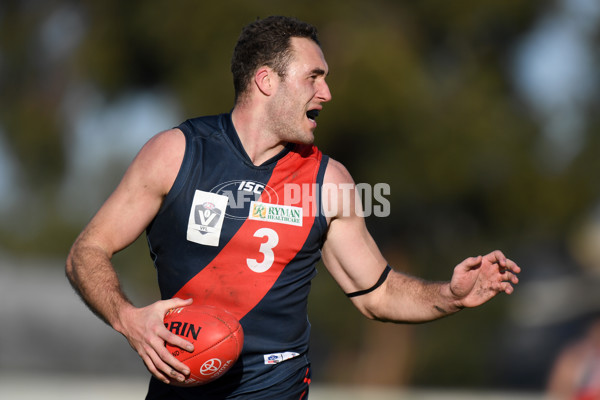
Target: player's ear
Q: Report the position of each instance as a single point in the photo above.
(264, 79)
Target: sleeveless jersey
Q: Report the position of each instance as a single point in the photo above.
(244, 238)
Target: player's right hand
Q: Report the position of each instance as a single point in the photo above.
(145, 330)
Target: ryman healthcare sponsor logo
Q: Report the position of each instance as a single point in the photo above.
(275, 213)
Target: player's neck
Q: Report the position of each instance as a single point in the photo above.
(258, 144)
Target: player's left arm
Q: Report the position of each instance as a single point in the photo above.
(356, 263)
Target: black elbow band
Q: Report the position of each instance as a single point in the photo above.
(382, 279)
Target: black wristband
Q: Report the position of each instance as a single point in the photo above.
(382, 279)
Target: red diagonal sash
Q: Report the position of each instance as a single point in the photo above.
(227, 281)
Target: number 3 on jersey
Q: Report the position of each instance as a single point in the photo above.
(266, 249)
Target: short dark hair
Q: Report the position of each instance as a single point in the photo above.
(266, 42)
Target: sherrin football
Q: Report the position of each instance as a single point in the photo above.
(217, 337)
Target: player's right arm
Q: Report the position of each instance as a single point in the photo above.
(117, 224)
(356, 263)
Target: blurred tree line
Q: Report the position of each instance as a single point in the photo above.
(422, 100)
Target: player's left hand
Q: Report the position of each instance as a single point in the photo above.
(478, 279)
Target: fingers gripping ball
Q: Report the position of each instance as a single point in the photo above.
(217, 337)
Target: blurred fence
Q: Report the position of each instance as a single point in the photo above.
(73, 387)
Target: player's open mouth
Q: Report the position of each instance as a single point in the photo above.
(312, 114)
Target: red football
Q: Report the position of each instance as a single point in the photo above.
(217, 337)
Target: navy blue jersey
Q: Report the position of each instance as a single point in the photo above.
(244, 238)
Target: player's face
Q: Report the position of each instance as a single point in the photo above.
(301, 93)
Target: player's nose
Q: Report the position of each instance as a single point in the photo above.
(324, 94)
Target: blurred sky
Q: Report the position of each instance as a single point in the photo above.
(555, 68)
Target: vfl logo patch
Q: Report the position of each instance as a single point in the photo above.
(206, 218)
(275, 213)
